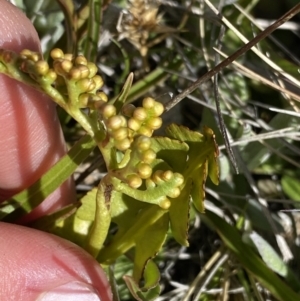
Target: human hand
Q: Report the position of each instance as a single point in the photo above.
(35, 265)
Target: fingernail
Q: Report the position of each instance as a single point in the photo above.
(71, 291)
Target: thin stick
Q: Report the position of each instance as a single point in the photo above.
(253, 75)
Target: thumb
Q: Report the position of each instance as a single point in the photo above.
(36, 265)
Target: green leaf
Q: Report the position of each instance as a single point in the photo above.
(113, 284)
(48, 222)
(269, 255)
(179, 215)
(94, 25)
(123, 266)
(202, 147)
(182, 133)
(104, 197)
(28, 199)
(87, 210)
(67, 7)
(202, 160)
(69, 223)
(151, 288)
(291, 187)
(172, 151)
(138, 294)
(124, 212)
(122, 97)
(148, 243)
(151, 276)
(214, 168)
(131, 231)
(198, 188)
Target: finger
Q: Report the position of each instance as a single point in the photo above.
(31, 138)
(39, 266)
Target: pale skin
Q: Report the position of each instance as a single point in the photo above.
(35, 265)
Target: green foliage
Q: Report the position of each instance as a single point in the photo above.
(290, 185)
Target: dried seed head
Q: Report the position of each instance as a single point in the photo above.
(142, 20)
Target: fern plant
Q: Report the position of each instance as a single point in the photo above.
(150, 180)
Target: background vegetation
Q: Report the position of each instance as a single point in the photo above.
(246, 245)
